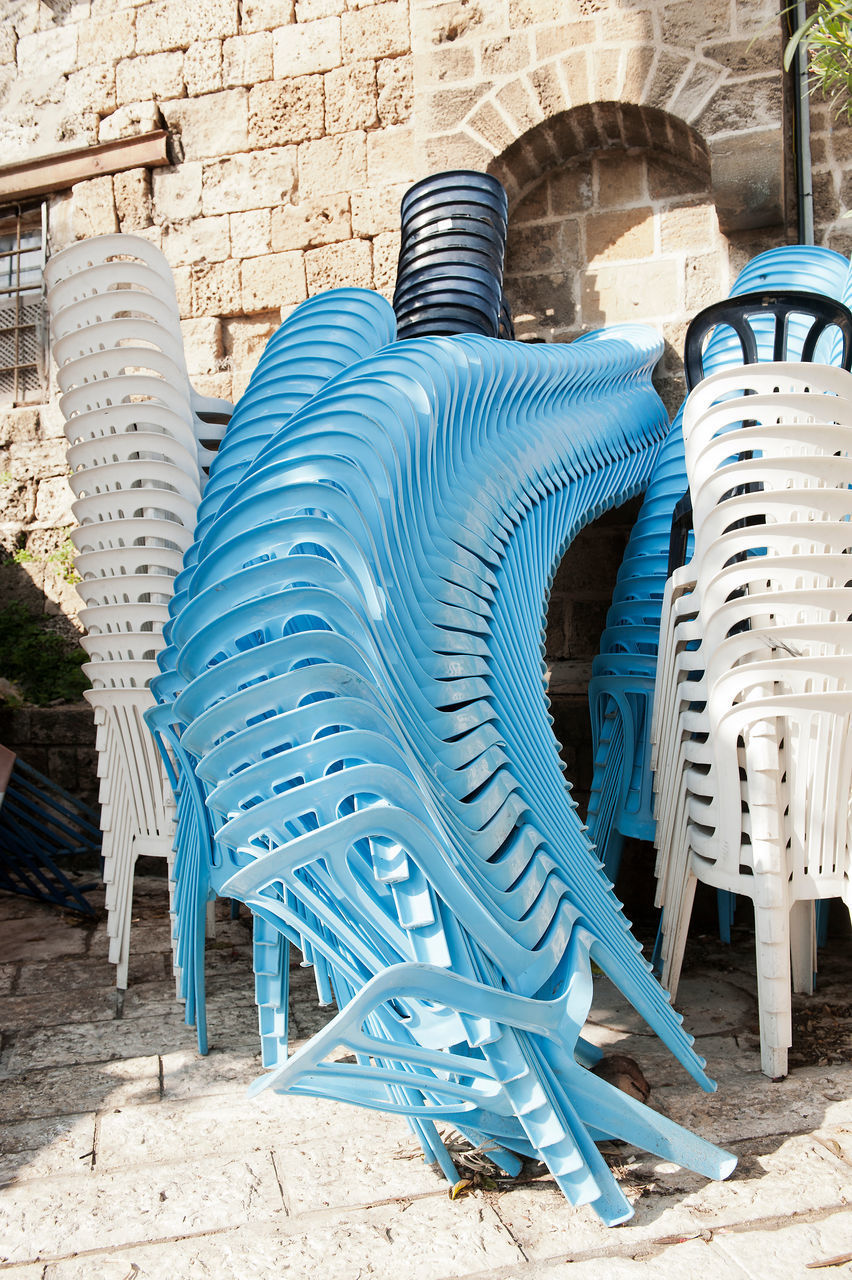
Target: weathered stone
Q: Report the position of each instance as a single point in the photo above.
(350, 98)
(747, 173)
(106, 41)
(94, 208)
(306, 48)
(310, 10)
(446, 109)
(527, 13)
(310, 223)
(8, 42)
(250, 233)
(177, 192)
(273, 281)
(53, 502)
(256, 181)
(197, 240)
(445, 24)
(394, 79)
(506, 56)
(202, 67)
(336, 265)
(202, 345)
(385, 260)
(339, 162)
(378, 31)
(215, 288)
(244, 340)
(630, 291)
(19, 425)
(92, 88)
(689, 227)
(444, 66)
(214, 125)
(543, 248)
(51, 53)
(377, 210)
(164, 25)
(391, 156)
(284, 111)
(132, 192)
(458, 151)
(247, 60)
(128, 120)
(265, 15)
(520, 106)
(159, 75)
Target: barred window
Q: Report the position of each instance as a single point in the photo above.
(22, 308)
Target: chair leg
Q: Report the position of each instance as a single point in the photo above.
(772, 943)
(803, 945)
(675, 930)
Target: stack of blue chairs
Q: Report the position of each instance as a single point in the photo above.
(352, 701)
(621, 690)
(321, 338)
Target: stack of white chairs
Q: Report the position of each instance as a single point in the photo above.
(753, 708)
(138, 447)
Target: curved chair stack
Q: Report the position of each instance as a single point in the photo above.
(621, 691)
(135, 428)
(320, 339)
(450, 271)
(359, 655)
(752, 715)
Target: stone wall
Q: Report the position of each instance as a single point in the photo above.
(645, 146)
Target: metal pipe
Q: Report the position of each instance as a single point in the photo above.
(802, 131)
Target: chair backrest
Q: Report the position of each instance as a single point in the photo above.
(752, 317)
(744, 315)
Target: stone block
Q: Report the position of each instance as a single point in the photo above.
(306, 48)
(94, 208)
(215, 288)
(688, 27)
(247, 60)
(106, 42)
(668, 177)
(520, 106)
(283, 111)
(51, 53)
(202, 67)
(549, 90)
(454, 151)
(385, 260)
(336, 266)
(250, 233)
(350, 98)
(619, 235)
(391, 156)
(19, 425)
(338, 162)
(132, 192)
(202, 345)
(688, 228)
(446, 109)
(634, 291)
(620, 179)
(529, 13)
(310, 223)
(606, 75)
(671, 70)
(196, 240)
(394, 80)
(8, 42)
(155, 75)
(177, 192)
(273, 281)
(637, 70)
(448, 65)
(130, 119)
(92, 88)
(737, 107)
(214, 125)
(183, 291)
(258, 181)
(493, 127)
(747, 175)
(447, 24)
(704, 280)
(542, 249)
(506, 56)
(244, 341)
(53, 502)
(554, 41)
(164, 25)
(377, 210)
(264, 15)
(311, 10)
(570, 189)
(695, 90)
(377, 31)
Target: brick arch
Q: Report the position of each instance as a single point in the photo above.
(592, 127)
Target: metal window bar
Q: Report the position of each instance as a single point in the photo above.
(22, 311)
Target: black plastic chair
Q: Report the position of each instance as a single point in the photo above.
(739, 315)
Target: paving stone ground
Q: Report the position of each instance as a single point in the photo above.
(126, 1156)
